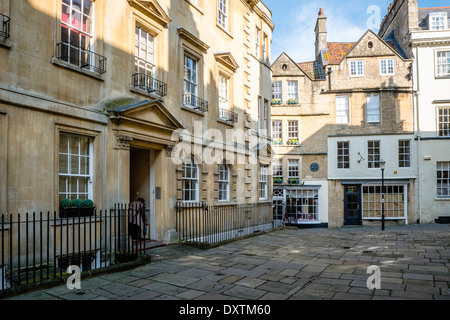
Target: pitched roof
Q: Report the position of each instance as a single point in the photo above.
(312, 69)
(336, 52)
(392, 42)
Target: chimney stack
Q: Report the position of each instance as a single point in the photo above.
(321, 32)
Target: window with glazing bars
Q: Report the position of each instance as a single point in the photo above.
(404, 153)
(293, 169)
(277, 130)
(443, 63)
(292, 90)
(343, 155)
(223, 92)
(277, 90)
(342, 110)
(373, 151)
(224, 183)
(77, 31)
(190, 80)
(373, 108)
(223, 13)
(190, 181)
(74, 167)
(443, 179)
(263, 190)
(444, 122)
(293, 129)
(277, 168)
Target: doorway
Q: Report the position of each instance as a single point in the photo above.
(352, 205)
(142, 183)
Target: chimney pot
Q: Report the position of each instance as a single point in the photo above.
(321, 12)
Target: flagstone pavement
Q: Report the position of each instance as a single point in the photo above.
(286, 264)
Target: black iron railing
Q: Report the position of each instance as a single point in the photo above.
(227, 115)
(81, 57)
(204, 224)
(39, 247)
(4, 26)
(195, 102)
(149, 84)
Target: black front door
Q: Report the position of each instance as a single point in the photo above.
(352, 205)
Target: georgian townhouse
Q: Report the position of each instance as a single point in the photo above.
(93, 92)
(424, 35)
(348, 111)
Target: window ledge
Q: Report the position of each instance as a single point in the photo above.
(224, 30)
(69, 66)
(229, 123)
(195, 6)
(442, 199)
(200, 113)
(145, 93)
(225, 203)
(6, 43)
(442, 77)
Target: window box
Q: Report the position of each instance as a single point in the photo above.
(292, 101)
(292, 142)
(278, 141)
(76, 208)
(278, 180)
(293, 181)
(276, 101)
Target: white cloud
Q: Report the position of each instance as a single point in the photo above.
(296, 37)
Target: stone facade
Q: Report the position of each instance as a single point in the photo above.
(321, 83)
(48, 92)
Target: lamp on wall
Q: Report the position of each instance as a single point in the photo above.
(382, 167)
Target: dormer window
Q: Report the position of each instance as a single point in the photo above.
(438, 21)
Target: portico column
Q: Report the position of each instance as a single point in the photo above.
(123, 167)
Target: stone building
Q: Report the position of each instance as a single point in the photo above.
(95, 94)
(424, 35)
(349, 109)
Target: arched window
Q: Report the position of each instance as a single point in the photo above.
(224, 183)
(190, 181)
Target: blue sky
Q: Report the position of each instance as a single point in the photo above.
(346, 21)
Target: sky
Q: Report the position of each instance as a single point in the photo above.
(347, 20)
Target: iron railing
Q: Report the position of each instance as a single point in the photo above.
(195, 102)
(227, 115)
(81, 57)
(149, 84)
(4, 27)
(204, 224)
(39, 247)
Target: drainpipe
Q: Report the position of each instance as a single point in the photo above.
(329, 79)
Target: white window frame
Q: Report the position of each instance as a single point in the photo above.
(67, 176)
(387, 67)
(437, 21)
(292, 87)
(294, 169)
(404, 153)
(356, 68)
(258, 43)
(263, 187)
(443, 121)
(224, 183)
(144, 41)
(443, 179)
(265, 51)
(441, 64)
(189, 166)
(373, 111)
(343, 159)
(277, 90)
(277, 130)
(190, 82)
(222, 13)
(373, 154)
(293, 129)
(277, 168)
(342, 109)
(224, 85)
(79, 32)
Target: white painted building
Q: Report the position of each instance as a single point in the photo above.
(354, 160)
(431, 50)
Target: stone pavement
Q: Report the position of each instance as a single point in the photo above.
(287, 264)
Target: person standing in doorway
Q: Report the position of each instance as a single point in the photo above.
(137, 218)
